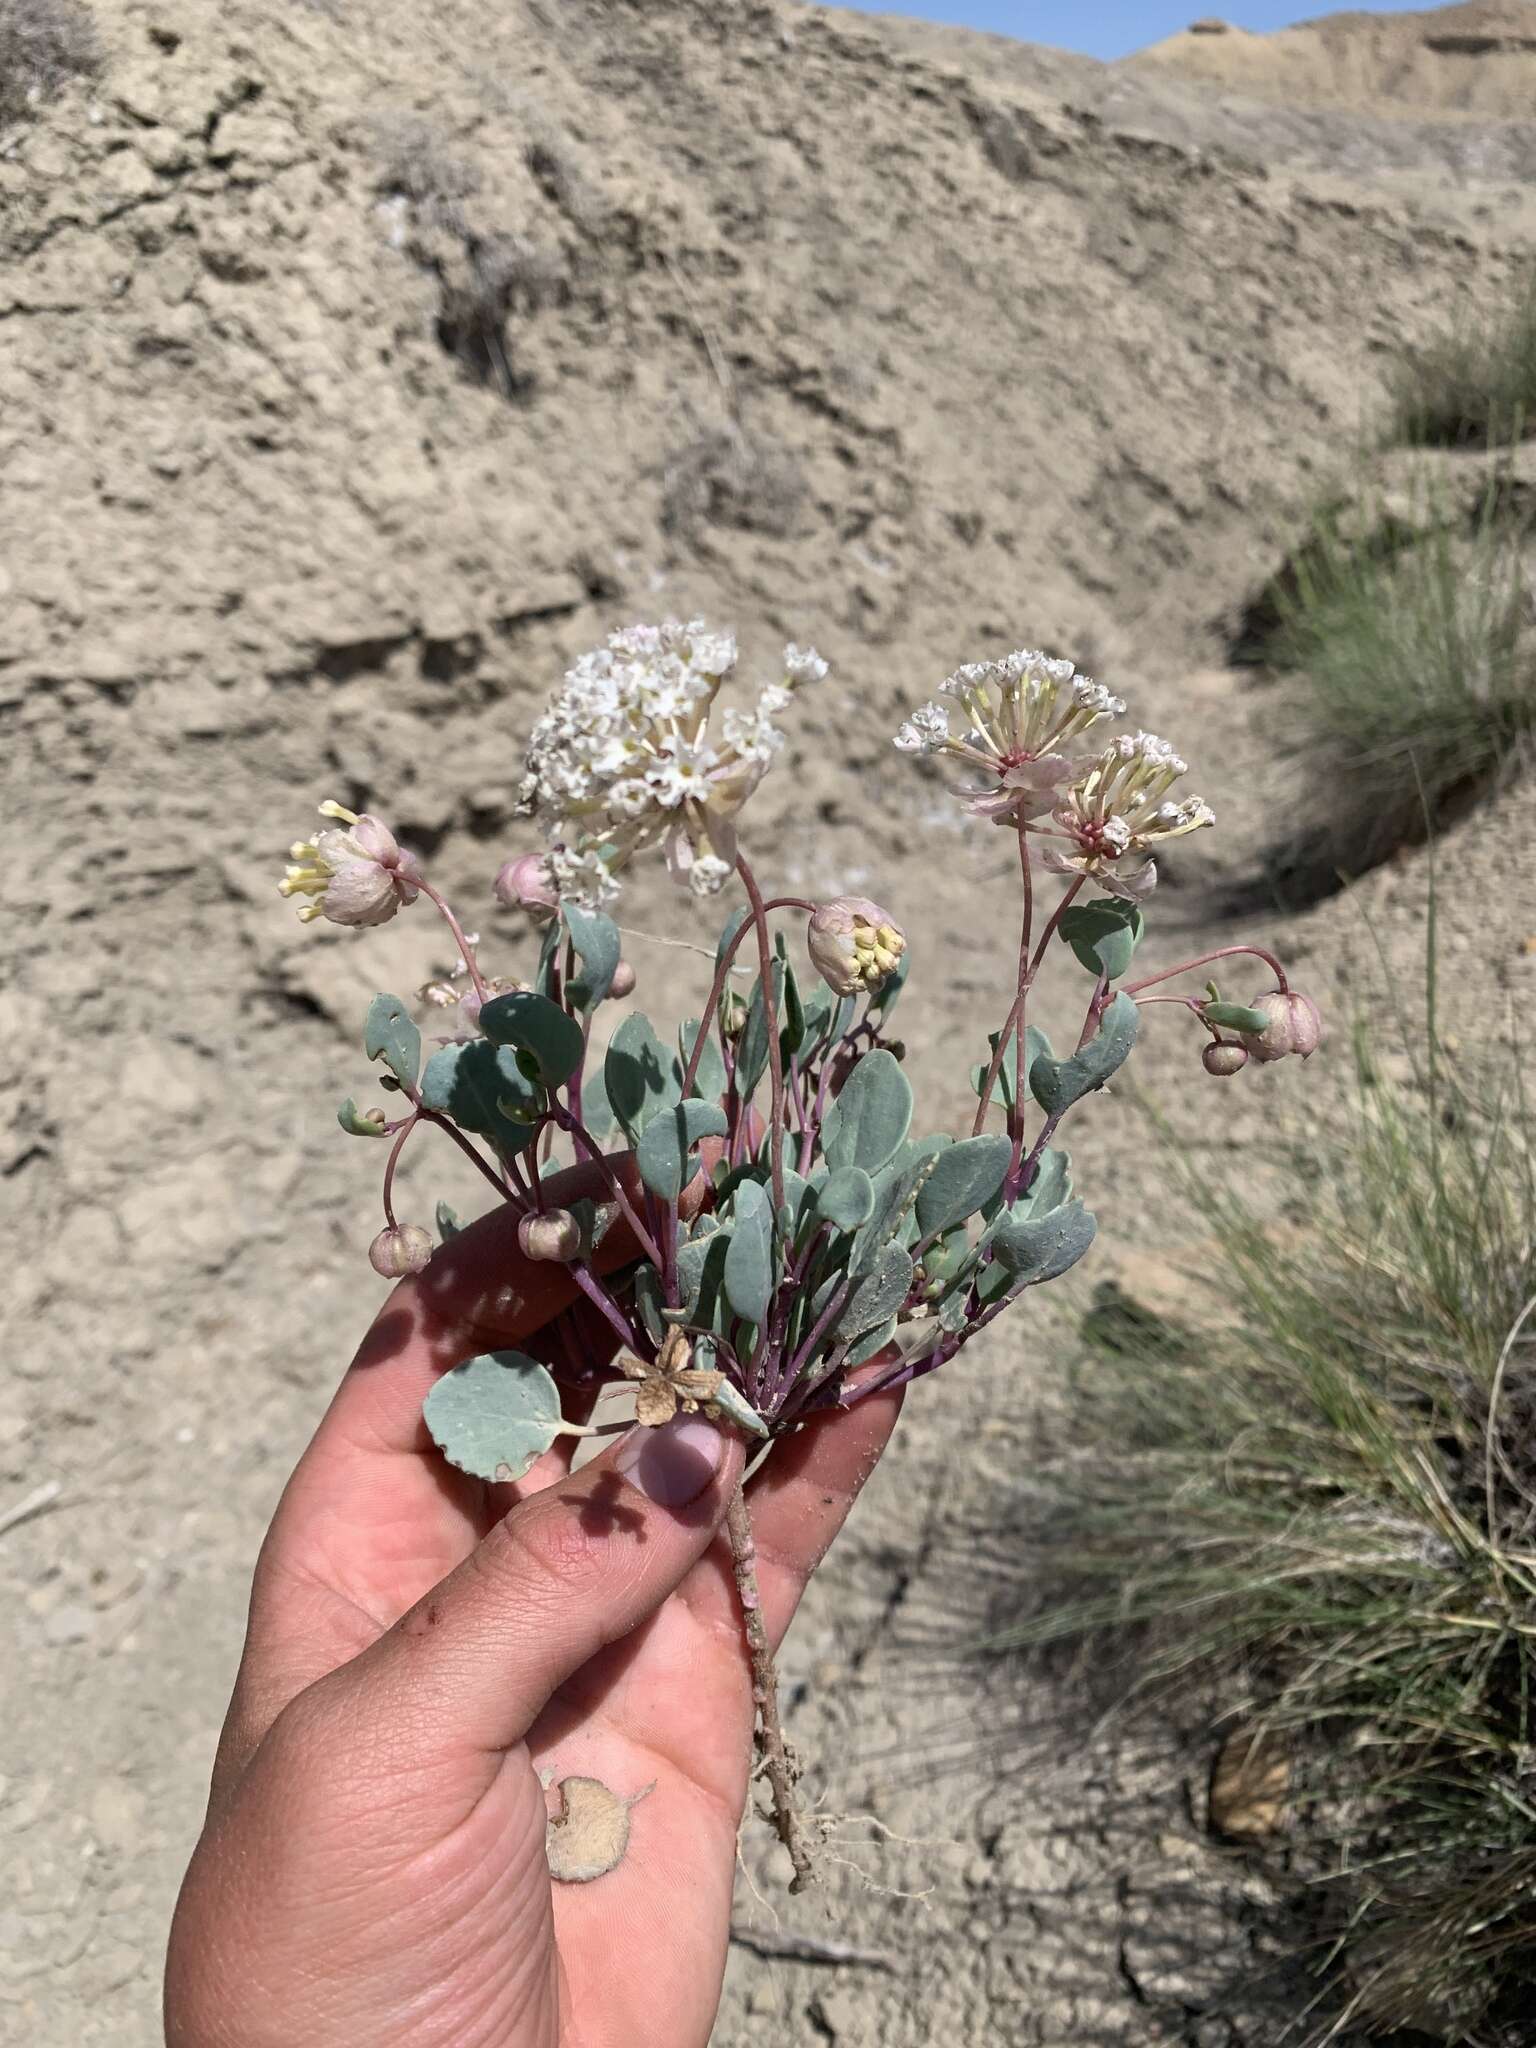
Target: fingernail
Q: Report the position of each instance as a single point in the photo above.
(672, 1465)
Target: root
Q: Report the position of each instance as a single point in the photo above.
(776, 1761)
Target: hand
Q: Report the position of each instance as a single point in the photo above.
(372, 1868)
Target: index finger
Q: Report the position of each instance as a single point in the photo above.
(373, 1516)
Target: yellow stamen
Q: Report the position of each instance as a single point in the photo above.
(309, 913)
(331, 809)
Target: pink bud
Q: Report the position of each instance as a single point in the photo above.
(554, 1235)
(854, 945)
(1295, 1026)
(1222, 1057)
(526, 884)
(623, 982)
(404, 1248)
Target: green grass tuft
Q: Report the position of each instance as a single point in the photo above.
(1474, 386)
(1324, 1499)
(1415, 675)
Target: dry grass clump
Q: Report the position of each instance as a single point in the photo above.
(1474, 386)
(1324, 1500)
(43, 44)
(1414, 669)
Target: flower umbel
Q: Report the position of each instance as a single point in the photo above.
(624, 758)
(1120, 811)
(359, 874)
(1023, 712)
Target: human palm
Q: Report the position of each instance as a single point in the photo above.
(422, 1647)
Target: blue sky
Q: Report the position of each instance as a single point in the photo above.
(1107, 30)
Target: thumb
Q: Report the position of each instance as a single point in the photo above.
(565, 1573)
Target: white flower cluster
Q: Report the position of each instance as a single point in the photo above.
(1120, 809)
(1023, 714)
(623, 758)
(1022, 711)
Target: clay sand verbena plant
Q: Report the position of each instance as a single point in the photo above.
(769, 1243)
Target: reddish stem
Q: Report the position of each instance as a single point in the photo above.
(466, 950)
(389, 1171)
(1205, 959)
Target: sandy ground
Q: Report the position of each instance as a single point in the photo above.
(912, 345)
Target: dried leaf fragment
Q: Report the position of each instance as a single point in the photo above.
(1250, 1780)
(589, 1833)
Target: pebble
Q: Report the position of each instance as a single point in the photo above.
(68, 1624)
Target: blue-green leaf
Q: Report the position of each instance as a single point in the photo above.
(752, 1047)
(964, 1177)
(749, 1265)
(662, 1154)
(1057, 1084)
(847, 1199)
(639, 1073)
(872, 1341)
(548, 1037)
(709, 1081)
(390, 1036)
(728, 931)
(871, 1115)
(736, 1408)
(596, 941)
(879, 1294)
(1235, 1017)
(701, 1276)
(1035, 1043)
(1032, 1249)
(1103, 934)
(1050, 1187)
(483, 1089)
(357, 1125)
(494, 1415)
(596, 1110)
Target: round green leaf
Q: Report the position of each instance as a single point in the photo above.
(1033, 1249)
(871, 1115)
(494, 1415)
(532, 1024)
(639, 1075)
(847, 1199)
(1057, 1084)
(1104, 934)
(662, 1154)
(964, 1177)
(749, 1266)
(390, 1036)
(596, 941)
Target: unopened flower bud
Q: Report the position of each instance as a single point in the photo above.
(733, 1014)
(1224, 1057)
(402, 1248)
(553, 1235)
(526, 884)
(1294, 1026)
(623, 982)
(854, 945)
